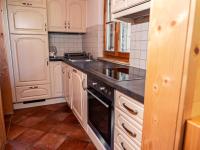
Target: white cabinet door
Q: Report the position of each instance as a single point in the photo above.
(56, 79)
(30, 59)
(56, 15)
(67, 84)
(131, 3)
(76, 15)
(28, 3)
(77, 105)
(118, 5)
(24, 20)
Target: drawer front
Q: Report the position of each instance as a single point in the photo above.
(130, 127)
(28, 3)
(28, 93)
(130, 106)
(122, 141)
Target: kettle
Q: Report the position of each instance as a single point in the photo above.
(52, 51)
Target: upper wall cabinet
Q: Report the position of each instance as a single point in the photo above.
(28, 3)
(24, 20)
(76, 15)
(67, 16)
(129, 10)
(56, 15)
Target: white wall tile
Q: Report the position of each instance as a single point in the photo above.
(139, 41)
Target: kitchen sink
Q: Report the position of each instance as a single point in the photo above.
(80, 60)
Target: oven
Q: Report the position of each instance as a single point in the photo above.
(101, 111)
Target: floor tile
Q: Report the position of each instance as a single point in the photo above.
(31, 121)
(91, 146)
(15, 131)
(50, 141)
(55, 107)
(71, 119)
(29, 136)
(73, 145)
(14, 145)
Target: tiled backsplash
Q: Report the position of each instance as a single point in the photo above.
(93, 40)
(139, 41)
(66, 42)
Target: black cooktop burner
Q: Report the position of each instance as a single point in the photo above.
(121, 74)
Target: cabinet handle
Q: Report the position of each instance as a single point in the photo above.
(69, 75)
(69, 25)
(122, 144)
(84, 88)
(33, 87)
(133, 112)
(45, 25)
(47, 63)
(74, 70)
(24, 3)
(128, 131)
(29, 4)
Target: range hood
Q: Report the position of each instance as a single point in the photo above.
(133, 14)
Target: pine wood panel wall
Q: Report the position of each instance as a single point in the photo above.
(171, 80)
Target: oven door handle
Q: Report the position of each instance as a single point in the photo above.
(106, 105)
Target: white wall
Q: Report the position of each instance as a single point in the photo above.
(94, 12)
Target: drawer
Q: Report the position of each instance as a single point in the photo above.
(36, 92)
(130, 106)
(130, 127)
(123, 142)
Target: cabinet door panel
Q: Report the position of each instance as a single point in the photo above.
(25, 20)
(29, 3)
(77, 93)
(30, 59)
(27, 93)
(131, 3)
(56, 15)
(76, 15)
(118, 5)
(66, 83)
(56, 79)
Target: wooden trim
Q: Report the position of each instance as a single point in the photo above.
(116, 54)
(2, 126)
(4, 71)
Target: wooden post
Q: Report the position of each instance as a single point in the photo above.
(4, 73)
(173, 72)
(2, 127)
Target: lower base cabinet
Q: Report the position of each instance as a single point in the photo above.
(56, 79)
(35, 92)
(128, 123)
(79, 102)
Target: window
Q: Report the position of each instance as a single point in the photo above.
(117, 36)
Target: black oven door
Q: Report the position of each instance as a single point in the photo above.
(99, 116)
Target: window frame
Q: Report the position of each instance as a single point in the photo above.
(116, 54)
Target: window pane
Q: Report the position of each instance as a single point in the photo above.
(125, 33)
(110, 36)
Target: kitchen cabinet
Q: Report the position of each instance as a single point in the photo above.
(128, 122)
(56, 79)
(79, 96)
(129, 10)
(56, 15)
(76, 15)
(67, 16)
(28, 93)
(28, 3)
(25, 20)
(67, 84)
(30, 59)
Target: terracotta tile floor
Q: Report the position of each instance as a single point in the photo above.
(52, 127)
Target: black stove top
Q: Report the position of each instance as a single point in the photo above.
(120, 74)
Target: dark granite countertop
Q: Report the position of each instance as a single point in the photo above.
(131, 88)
